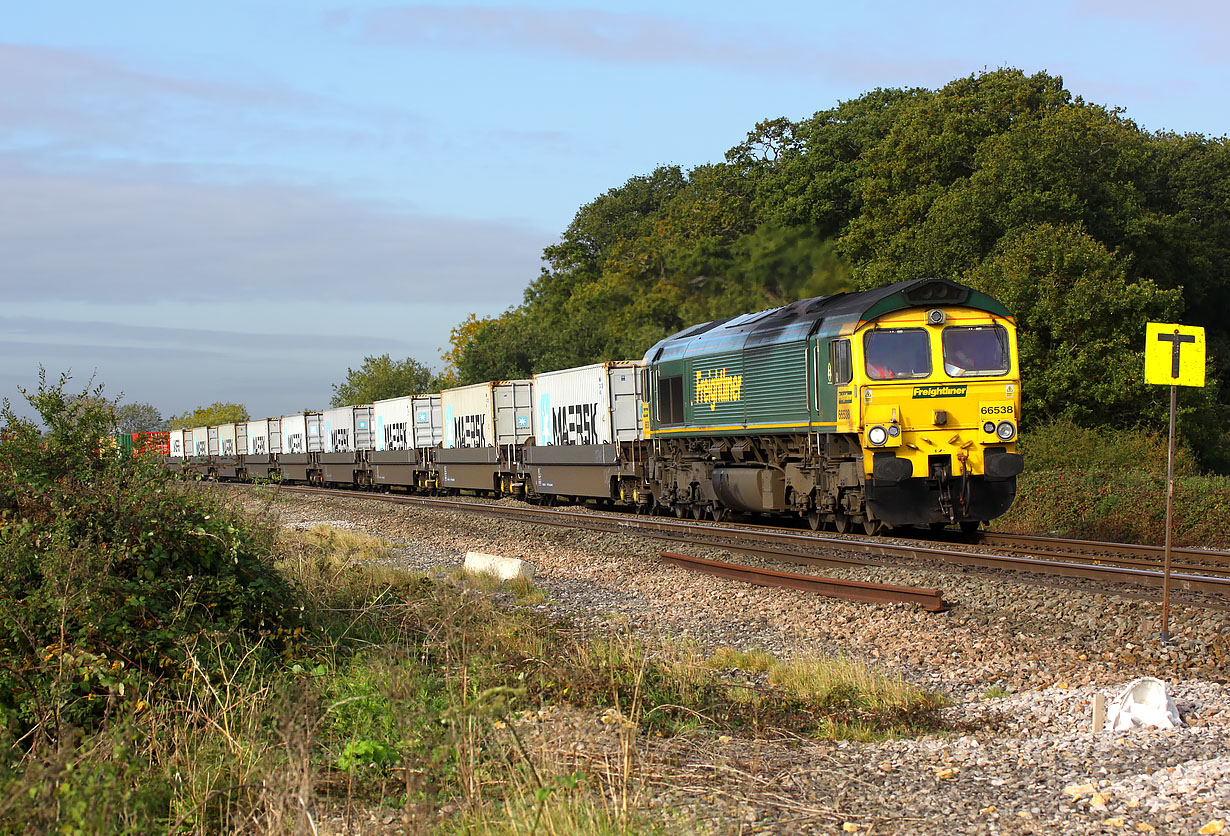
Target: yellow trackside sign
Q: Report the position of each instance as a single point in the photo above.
(1174, 354)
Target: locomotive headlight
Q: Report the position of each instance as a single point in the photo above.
(877, 436)
(1005, 430)
(988, 427)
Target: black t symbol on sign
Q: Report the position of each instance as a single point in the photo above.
(1176, 339)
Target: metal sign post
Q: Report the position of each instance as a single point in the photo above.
(1167, 364)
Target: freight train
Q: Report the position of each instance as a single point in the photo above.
(897, 406)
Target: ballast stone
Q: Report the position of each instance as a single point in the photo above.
(504, 568)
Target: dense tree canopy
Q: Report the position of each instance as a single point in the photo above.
(137, 417)
(212, 415)
(1083, 224)
(382, 377)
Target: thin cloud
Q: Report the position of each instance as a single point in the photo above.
(609, 37)
(138, 238)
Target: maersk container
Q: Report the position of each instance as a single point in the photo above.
(428, 420)
(595, 404)
(487, 414)
(294, 434)
(226, 441)
(391, 418)
(315, 423)
(348, 429)
(259, 443)
(241, 438)
(200, 442)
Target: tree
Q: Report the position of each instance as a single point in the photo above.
(138, 418)
(382, 377)
(212, 415)
(1081, 324)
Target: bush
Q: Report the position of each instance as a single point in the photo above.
(111, 573)
(1063, 445)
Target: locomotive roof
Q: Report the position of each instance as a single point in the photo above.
(799, 319)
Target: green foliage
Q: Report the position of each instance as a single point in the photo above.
(1064, 445)
(111, 575)
(138, 418)
(1081, 223)
(212, 415)
(382, 377)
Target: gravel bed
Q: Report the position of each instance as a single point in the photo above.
(1026, 762)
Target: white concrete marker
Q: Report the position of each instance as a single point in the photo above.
(504, 568)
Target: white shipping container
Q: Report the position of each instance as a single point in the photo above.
(487, 414)
(315, 431)
(241, 439)
(339, 429)
(175, 444)
(428, 420)
(200, 442)
(391, 419)
(347, 429)
(226, 440)
(258, 438)
(294, 434)
(595, 404)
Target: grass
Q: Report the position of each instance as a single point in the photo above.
(408, 693)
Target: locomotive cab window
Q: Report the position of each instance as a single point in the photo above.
(841, 368)
(897, 353)
(974, 351)
(670, 400)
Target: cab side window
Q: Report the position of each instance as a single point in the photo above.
(841, 367)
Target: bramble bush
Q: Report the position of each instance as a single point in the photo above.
(112, 573)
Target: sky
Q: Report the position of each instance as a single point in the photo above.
(240, 200)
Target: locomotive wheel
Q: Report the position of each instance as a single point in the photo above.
(872, 527)
(814, 520)
(841, 523)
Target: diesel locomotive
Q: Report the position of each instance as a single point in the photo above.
(897, 406)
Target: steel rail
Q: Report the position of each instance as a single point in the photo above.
(810, 548)
(1057, 546)
(928, 599)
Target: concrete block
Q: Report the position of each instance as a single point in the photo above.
(504, 568)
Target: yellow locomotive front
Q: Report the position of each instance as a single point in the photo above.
(935, 399)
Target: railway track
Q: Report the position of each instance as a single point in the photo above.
(1125, 569)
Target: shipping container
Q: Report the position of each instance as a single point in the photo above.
(596, 404)
(200, 442)
(294, 434)
(226, 441)
(213, 442)
(260, 443)
(348, 429)
(487, 414)
(428, 421)
(156, 443)
(392, 419)
(315, 423)
(241, 438)
(175, 444)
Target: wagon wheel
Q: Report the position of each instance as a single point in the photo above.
(841, 522)
(719, 513)
(814, 520)
(681, 511)
(872, 527)
(698, 511)
(970, 526)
